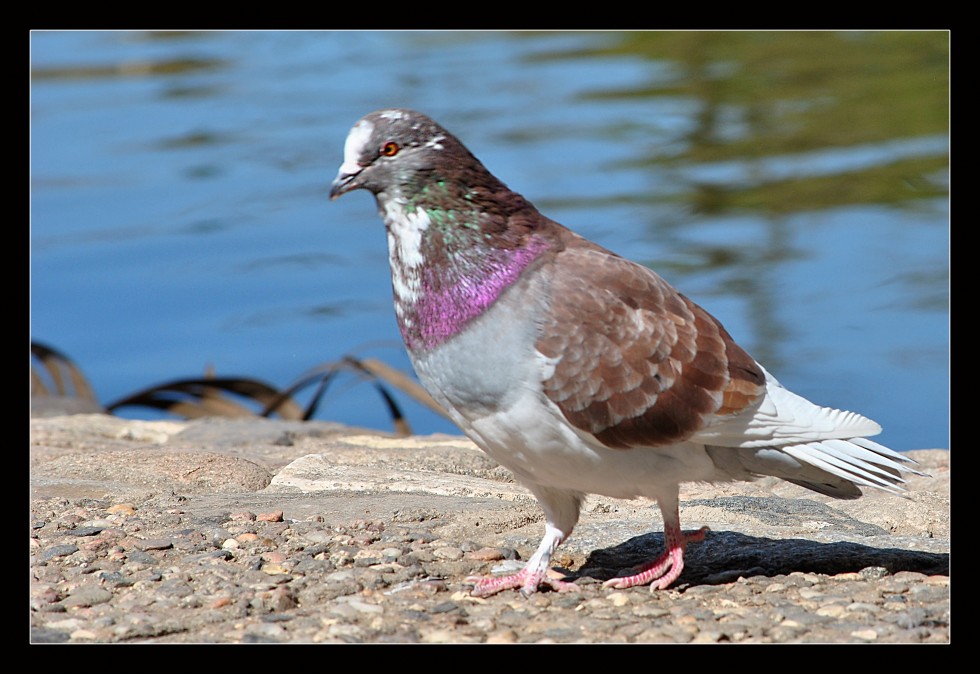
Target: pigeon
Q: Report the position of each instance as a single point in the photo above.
(578, 370)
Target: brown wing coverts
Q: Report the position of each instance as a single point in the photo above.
(638, 364)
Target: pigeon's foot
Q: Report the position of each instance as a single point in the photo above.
(526, 581)
(666, 568)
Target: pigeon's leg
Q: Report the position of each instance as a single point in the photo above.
(666, 568)
(561, 510)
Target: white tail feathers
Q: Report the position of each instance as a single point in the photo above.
(857, 460)
(835, 467)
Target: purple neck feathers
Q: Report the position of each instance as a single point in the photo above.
(450, 298)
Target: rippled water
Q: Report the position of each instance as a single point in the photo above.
(794, 184)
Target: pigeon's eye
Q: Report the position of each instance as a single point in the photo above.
(390, 149)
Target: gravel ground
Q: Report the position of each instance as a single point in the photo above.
(186, 564)
(106, 572)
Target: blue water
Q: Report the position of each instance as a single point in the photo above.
(180, 220)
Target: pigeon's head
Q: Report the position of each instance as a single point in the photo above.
(389, 151)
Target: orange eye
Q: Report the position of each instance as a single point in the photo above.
(390, 149)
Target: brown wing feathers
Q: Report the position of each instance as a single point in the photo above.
(638, 364)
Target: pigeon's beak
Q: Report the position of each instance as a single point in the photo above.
(344, 182)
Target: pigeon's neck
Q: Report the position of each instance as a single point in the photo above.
(446, 269)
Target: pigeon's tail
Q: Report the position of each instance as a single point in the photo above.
(834, 467)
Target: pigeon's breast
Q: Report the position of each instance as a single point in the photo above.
(485, 365)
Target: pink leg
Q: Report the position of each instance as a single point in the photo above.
(533, 575)
(666, 568)
(561, 513)
(526, 580)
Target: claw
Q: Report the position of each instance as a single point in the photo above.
(665, 569)
(527, 582)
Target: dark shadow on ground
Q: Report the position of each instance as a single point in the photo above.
(724, 556)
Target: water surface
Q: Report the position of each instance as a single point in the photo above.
(794, 184)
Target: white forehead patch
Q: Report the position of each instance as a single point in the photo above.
(357, 140)
(393, 114)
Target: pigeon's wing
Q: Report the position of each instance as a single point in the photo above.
(635, 362)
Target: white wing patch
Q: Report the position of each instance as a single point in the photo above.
(784, 418)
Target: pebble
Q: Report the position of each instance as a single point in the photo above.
(447, 553)
(56, 551)
(86, 596)
(87, 530)
(486, 554)
(121, 509)
(275, 516)
(619, 599)
(118, 573)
